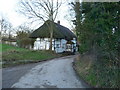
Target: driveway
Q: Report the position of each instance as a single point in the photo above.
(55, 73)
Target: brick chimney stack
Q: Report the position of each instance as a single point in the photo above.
(58, 22)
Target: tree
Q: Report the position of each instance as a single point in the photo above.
(6, 28)
(100, 37)
(100, 25)
(41, 10)
(78, 16)
(99, 32)
(22, 37)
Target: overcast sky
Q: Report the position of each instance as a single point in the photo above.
(8, 10)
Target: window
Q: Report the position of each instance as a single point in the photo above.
(57, 45)
(63, 46)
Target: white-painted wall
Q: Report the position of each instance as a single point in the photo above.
(11, 43)
(59, 45)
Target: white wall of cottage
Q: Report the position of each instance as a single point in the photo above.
(58, 45)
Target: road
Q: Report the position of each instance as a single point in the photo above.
(55, 73)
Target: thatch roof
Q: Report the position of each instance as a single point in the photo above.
(59, 32)
(9, 39)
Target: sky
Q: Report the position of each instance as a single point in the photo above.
(8, 10)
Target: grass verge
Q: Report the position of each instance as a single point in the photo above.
(97, 74)
(14, 56)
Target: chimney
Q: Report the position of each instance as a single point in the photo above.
(58, 22)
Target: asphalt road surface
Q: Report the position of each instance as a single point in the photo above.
(55, 73)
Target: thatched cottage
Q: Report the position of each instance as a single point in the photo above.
(63, 38)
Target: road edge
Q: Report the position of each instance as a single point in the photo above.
(86, 84)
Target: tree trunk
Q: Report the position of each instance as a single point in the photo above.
(51, 35)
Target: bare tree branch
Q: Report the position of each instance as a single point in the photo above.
(41, 10)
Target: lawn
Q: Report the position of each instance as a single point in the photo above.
(6, 47)
(14, 55)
